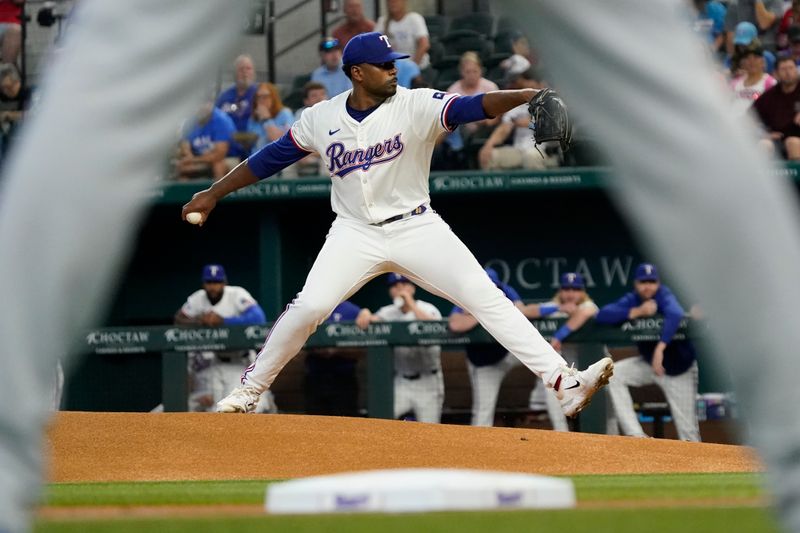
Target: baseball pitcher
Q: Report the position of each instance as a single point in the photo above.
(377, 141)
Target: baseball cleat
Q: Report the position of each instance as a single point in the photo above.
(577, 387)
(241, 400)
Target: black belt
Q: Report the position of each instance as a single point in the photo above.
(412, 377)
(416, 211)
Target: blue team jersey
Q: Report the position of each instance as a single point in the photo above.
(335, 81)
(202, 137)
(488, 354)
(239, 108)
(679, 355)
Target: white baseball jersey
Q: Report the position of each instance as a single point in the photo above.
(235, 300)
(404, 33)
(374, 176)
(413, 360)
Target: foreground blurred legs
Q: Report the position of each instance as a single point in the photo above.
(67, 215)
(622, 76)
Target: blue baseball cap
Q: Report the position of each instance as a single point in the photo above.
(646, 272)
(394, 277)
(572, 280)
(214, 274)
(493, 275)
(745, 33)
(371, 47)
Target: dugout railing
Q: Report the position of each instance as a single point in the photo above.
(175, 342)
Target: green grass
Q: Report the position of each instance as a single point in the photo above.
(155, 493)
(717, 520)
(686, 487)
(679, 491)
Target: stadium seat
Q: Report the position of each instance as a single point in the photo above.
(437, 26)
(506, 24)
(447, 77)
(294, 99)
(482, 23)
(436, 52)
(300, 80)
(458, 42)
(430, 75)
(502, 48)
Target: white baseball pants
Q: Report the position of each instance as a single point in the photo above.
(424, 249)
(680, 390)
(424, 396)
(486, 381)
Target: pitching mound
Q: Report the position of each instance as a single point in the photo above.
(205, 446)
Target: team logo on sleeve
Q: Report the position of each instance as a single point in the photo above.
(342, 162)
(438, 95)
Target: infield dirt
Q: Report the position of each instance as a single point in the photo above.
(88, 447)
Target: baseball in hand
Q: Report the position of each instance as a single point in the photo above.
(194, 217)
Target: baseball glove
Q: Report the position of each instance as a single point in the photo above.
(549, 119)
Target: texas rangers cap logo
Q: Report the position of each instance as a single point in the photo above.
(371, 47)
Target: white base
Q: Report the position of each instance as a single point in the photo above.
(418, 490)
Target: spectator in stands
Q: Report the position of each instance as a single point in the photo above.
(572, 302)
(746, 38)
(408, 73)
(523, 153)
(237, 100)
(219, 304)
(330, 73)
(521, 60)
(407, 31)
(355, 22)
(764, 14)
(313, 93)
(472, 82)
(202, 151)
(778, 110)
(793, 36)
(270, 119)
(15, 100)
(11, 30)
(331, 383)
(488, 364)
(791, 17)
(748, 87)
(450, 154)
(418, 381)
(710, 22)
(669, 363)
(312, 164)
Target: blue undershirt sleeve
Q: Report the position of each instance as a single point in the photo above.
(275, 156)
(252, 315)
(616, 312)
(547, 309)
(464, 109)
(562, 333)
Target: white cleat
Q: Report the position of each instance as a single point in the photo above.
(577, 388)
(241, 400)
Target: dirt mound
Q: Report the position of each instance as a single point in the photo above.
(205, 446)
